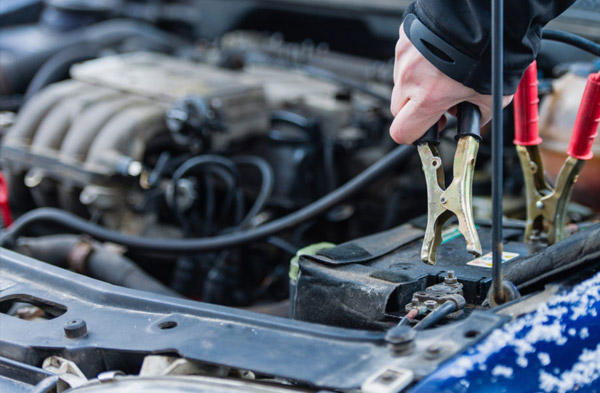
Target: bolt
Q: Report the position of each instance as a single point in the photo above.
(414, 301)
(430, 304)
(388, 377)
(443, 200)
(400, 339)
(450, 278)
(539, 204)
(433, 351)
(75, 328)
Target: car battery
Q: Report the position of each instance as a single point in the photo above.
(367, 283)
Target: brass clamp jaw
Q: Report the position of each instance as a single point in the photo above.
(547, 206)
(457, 198)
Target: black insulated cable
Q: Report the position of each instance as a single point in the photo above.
(228, 173)
(436, 315)
(266, 187)
(191, 246)
(573, 40)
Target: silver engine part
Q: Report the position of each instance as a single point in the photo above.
(76, 142)
(80, 144)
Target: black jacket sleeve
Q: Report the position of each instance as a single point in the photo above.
(463, 26)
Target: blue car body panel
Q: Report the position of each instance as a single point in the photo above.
(554, 349)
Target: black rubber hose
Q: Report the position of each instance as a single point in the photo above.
(436, 315)
(198, 162)
(573, 40)
(16, 70)
(266, 187)
(283, 245)
(56, 68)
(100, 264)
(191, 246)
(209, 205)
(572, 251)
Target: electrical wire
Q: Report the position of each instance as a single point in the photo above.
(573, 40)
(436, 315)
(266, 188)
(191, 246)
(230, 177)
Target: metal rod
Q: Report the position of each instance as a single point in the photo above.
(497, 141)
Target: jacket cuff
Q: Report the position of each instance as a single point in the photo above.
(471, 72)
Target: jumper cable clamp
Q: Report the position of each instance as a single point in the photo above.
(457, 199)
(547, 206)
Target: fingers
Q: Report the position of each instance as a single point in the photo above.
(412, 121)
(442, 122)
(398, 100)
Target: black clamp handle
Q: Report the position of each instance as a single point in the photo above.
(432, 136)
(468, 122)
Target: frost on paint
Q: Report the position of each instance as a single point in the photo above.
(586, 370)
(550, 326)
(502, 371)
(544, 358)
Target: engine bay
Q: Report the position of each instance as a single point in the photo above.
(205, 197)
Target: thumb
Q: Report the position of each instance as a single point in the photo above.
(412, 122)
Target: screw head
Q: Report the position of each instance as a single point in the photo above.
(443, 200)
(433, 348)
(75, 328)
(433, 351)
(539, 204)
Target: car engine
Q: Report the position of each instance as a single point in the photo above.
(162, 159)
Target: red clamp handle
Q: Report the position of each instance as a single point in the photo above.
(4, 208)
(586, 123)
(526, 109)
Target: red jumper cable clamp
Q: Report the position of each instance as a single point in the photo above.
(4, 207)
(547, 206)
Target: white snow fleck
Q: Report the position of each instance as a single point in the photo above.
(502, 371)
(522, 361)
(543, 325)
(584, 333)
(544, 358)
(584, 372)
(464, 365)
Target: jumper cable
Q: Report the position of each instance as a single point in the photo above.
(547, 206)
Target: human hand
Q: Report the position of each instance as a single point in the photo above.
(422, 94)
